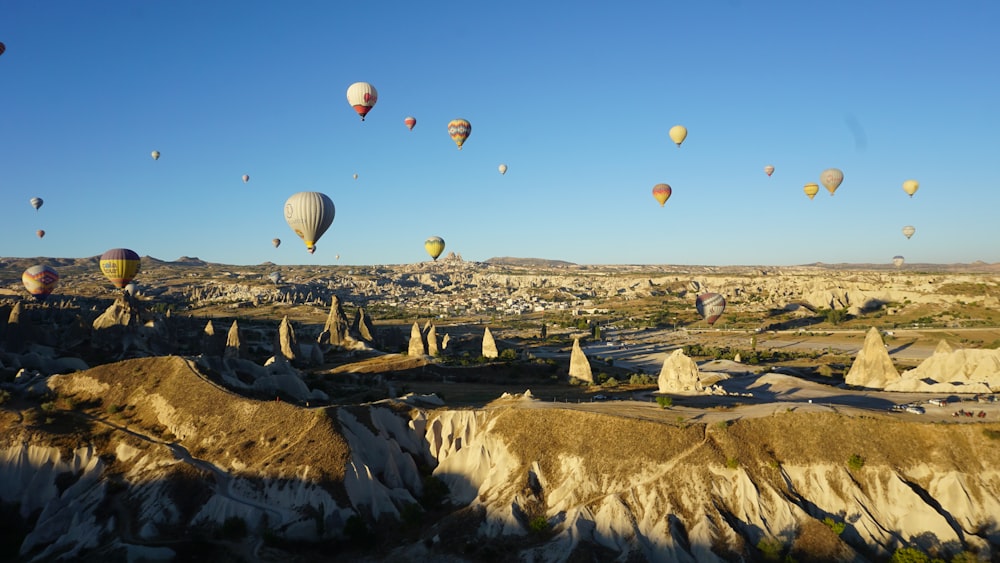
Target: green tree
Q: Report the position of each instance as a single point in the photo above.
(544, 332)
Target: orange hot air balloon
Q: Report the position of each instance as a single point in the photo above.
(811, 190)
(410, 121)
(769, 170)
(459, 129)
(40, 281)
(40, 233)
(662, 193)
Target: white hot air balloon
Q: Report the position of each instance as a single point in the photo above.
(362, 97)
(155, 155)
(309, 214)
(908, 231)
(503, 169)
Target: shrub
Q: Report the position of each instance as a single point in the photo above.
(49, 406)
(837, 527)
(508, 355)
(610, 382)
(909, 555)
(539, 524)
(770, 549)
(992, 434)
(665, 402)
(732, 463)
(4, 396)
(855, 462)
(114, 409)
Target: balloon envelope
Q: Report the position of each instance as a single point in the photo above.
(309, 214)
(502, 168)
(355, 176)
(2, 48)
(911, 187)
(40, 233)
(246, 178)
(678, 133)
(459, 129)
(898, 260)
(276, 242)
(410, 121)
(710, 306)
(120, 265)
(908, 231)
(275, 277)
(36, 202)
(40, 280)
(831, 179)
(434, 246)
(769, 170)
(811, 190)
(132, 289)
(155, 155)
(662, 193)
(362, 97)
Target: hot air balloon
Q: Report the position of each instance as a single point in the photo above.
(769, 170)
(410, 121)
(309, 214)
(908, 231)
(36, 202)
(502, 168)
(155, 155)
(459, 129)
(898, 260)
(434, 246)
(831, 179)
(337, 257)
(276, 242)
(275, 277)
(132, 289)
(120, 265)
(911, 187)
(40, 280)
(662, 193)
(40, 233)
(710, 306)
(362, 96)
(678, 133)
(355, 176)
(246, 178)
(811, 190)
(2, 47)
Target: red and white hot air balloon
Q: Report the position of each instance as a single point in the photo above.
(362, 97)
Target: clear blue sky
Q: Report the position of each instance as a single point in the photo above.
(576, 101)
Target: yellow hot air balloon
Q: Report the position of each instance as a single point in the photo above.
(908, 231)
(662, 193)
(502, 168)
(434, 246)
(362, 97)
(459, 129)
(911, 187)
(155, 155)
(811, 190)
(678, 133)
(831, 179)
(769, 170)
(120, 265)
(40, 280)
(309, 214)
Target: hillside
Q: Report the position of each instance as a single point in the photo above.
(149, 457)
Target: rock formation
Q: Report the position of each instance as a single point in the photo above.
(212, 343)
(432, 342)
(489, 345)
(579, 365)
(286, 345)
(417, 346)
(679, 374)
(953, 371)
(335, 329)
(444, 342)
(232, 342)
(15, 333)
(123, 312)
(872, 366)
(362, 326)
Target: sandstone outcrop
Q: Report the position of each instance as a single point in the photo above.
(579, 365)
(953, 371)
(679, 374)
(489, 345)
(286, 344)
(872, 367)
(363, 327)
(432, 342)
(417, 345)
(335, 331)
(232, 342)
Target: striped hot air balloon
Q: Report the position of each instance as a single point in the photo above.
(309, 214)
(459, 129)
(36, 202)
(120, 265)
(410, 122)
(710, 306)
(40, 280)
(662, 193)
